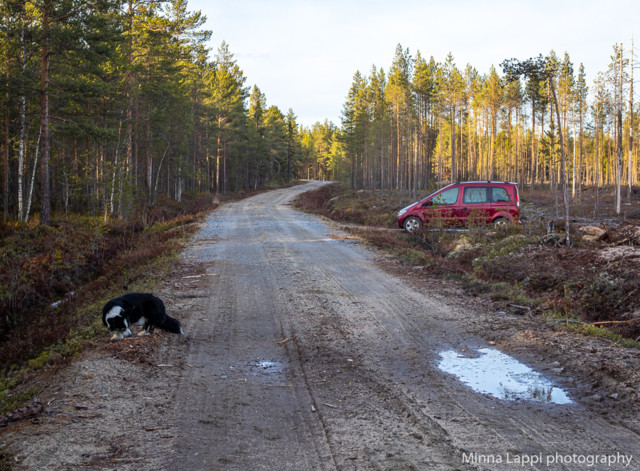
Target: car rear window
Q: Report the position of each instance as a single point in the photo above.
(500, 195)
(475, 194)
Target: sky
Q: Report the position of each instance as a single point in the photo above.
(303, 54)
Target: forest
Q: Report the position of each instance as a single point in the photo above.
(108, 105)
(120, 128)
(424, 123)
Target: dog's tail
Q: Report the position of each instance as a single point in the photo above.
(172, 325)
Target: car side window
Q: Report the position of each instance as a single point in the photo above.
(449, 196)
(475, 194)
(500, 195)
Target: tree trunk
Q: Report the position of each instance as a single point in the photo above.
(5, 154)
(630, 158)
(23, 119)
(596, 161)
(619, 140)
(398, 182)
(573, 179)
(44, 106)
(534, 163)
(563, 168)
(33, 178)
(149, 158)
(580, 161)
(454, 173)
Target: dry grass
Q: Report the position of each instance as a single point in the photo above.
(75, 261)
(513, 265)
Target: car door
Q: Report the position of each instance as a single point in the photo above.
(500, 202)
(443, 208)
(475, 206)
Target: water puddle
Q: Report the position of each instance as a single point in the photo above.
(499, 375)
(266, 367)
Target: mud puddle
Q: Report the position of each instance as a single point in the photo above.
(501, 376)
(266, 367)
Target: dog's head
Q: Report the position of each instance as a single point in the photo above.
(116, 322)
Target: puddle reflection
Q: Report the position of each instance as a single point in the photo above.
(492, 372)
(266, 366)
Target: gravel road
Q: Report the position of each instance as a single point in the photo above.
(302, 353)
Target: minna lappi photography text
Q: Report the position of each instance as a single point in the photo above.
(595, 460)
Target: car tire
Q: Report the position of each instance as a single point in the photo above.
(500, 222)
(412, 224)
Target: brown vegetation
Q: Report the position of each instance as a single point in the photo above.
(591, 285)
(49, 272)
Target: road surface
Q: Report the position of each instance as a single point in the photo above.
(310, 357)
(301, 353)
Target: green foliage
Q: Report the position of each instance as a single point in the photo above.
(503, 247)
(10, 400)
(141, 111)
(416, 257)
(573, 323)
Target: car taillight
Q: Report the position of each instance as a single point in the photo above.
(517, 199)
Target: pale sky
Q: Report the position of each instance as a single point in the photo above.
(303, 54)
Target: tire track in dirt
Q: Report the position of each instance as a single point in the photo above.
(300, 353)
(354, 306)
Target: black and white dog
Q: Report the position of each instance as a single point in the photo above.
(119, 314)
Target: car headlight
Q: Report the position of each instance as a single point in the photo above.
(402, 211)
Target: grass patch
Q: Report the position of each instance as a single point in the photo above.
(574, 323)
(417, 257)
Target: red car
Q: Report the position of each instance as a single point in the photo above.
(464, 204)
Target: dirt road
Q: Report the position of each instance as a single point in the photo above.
(301, 353)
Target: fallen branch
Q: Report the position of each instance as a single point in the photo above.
(23, 413)
(525, 308)
(626, 297)
(616, 322)
(590, 324)
(329, 405)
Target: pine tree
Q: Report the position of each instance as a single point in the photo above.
(258, 152)
(228, 100)
(355, 121)
(546, 69)
(451, 88)
(494, 96)
(425, 89)
(398, 93)
(581, 93)
(276, 136)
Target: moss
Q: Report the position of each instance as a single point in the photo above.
(416, 257)
(573, 323)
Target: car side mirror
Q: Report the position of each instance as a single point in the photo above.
(427, 203)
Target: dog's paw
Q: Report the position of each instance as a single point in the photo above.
(116, 337)
(142, 333)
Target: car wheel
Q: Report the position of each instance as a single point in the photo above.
(500, 222)
(412, 224)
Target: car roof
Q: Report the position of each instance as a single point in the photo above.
(484, 182)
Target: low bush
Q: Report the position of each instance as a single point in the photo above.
(48, 272)
(511, 264)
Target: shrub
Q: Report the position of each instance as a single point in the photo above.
(74, 259)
